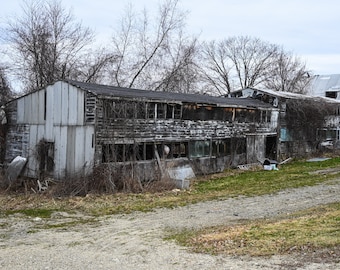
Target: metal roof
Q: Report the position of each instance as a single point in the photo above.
(290, 95)
(322, 83)
(106, 90)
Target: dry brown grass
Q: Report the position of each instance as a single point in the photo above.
(307, 232)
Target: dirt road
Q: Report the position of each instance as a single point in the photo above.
(135, 241)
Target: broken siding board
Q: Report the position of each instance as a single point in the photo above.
(65, 103)
(89, 148)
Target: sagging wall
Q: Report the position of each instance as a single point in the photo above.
(208, 145)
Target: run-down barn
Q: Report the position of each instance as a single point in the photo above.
(71, 127)
(307, 125)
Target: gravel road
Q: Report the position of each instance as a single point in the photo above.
(135, 241)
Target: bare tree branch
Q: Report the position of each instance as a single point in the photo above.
(49, 45)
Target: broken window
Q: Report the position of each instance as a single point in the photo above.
(265, 116)
(151, 110)
(331, 94)
(199, 149)
(141, 110)
(240, 115)
(130, 110)
(240, 145)
(113, 109)
(161, 109)
(221, 148)
(178, 149)
(118, 152)
(169, 111)
(177, 111)
(228, 112)
(149, 151)
(173, 111)
(189, 111)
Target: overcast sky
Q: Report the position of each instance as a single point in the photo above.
(308, 28)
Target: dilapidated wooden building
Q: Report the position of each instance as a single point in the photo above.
(306, 124)
(71, 127)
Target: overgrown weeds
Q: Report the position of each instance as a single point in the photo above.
(231, 183)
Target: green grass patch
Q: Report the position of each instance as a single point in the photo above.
(32, 212)
(231, 183)
(305, 231)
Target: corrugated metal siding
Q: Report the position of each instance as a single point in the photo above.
(55, 114)
(80, 151)
(65, 105)
(72, 149)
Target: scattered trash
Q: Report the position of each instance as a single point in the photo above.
(182, 175)
(270, 165)
(15, 168)
(317, 159)
(286, 161)
(247, 167)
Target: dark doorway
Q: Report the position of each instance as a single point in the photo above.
(271, 147)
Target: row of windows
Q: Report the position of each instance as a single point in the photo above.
(192, 149)
(151, 110)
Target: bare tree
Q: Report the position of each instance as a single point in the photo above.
(47, 44)
(153, 55)
(217, 69)
(289, 74)
(237, 62)
(5, 90)
(241, 62)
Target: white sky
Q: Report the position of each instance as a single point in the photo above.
(308, 28)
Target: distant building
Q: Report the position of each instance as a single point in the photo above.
(325, 86)
(306, 124)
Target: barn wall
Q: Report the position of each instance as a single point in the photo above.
(136, 134)
(55, 115)
(57, 104)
